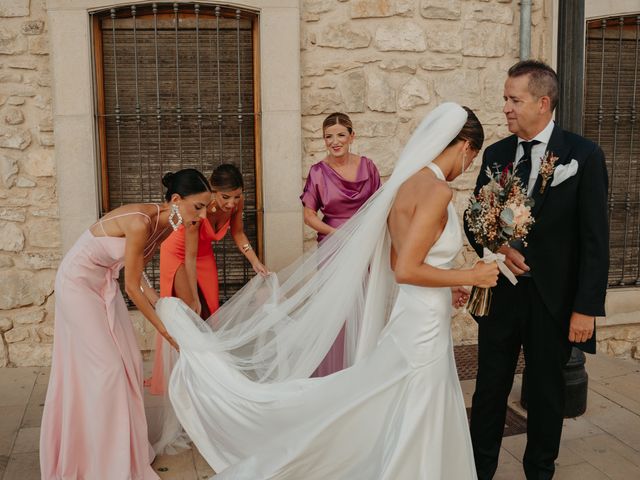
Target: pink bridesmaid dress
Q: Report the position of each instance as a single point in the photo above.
(94, 425)
(338, 200)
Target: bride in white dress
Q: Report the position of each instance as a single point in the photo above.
(239, 385)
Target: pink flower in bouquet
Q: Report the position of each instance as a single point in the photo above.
(500, 213)
(521, 214)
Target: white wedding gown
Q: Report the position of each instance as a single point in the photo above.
(396, 414)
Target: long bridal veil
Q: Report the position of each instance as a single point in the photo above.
(280, 327)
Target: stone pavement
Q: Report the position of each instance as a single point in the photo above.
(602, 444)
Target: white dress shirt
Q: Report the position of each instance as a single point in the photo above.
(537, 152)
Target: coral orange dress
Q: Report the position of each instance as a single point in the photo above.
(172, 252)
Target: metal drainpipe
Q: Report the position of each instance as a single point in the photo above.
(525, 29)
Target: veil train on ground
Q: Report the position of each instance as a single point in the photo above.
(239, 385)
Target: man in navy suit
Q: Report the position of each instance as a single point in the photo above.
(562, 273)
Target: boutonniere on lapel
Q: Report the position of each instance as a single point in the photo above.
(547, 167)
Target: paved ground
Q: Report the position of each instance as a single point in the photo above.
(602, 444)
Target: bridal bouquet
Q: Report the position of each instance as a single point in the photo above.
(500, 213)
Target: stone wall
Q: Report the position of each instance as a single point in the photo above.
(618, 334)
(389, 62)
(29, 230)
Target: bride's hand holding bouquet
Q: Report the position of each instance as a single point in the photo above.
(499, 214)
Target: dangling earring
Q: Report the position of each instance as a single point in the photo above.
(175, 212)
(213, 207)
(464, 161)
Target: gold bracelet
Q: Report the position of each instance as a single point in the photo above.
(246, 247)
(146, 279)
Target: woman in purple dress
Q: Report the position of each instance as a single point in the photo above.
(337, 186)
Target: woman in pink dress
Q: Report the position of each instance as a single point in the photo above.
(93, 425)
(338, 186)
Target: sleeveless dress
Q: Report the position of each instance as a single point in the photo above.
(338, 200)
(172, 252)
(398, 414)
(93, 424)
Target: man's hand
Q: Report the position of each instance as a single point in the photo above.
(514, 260)
(581, 327)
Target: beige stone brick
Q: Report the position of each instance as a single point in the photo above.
(32, 27)
(405, 36)
(10, 77)
(352, 89)
(344, 35)
(14, 8)
(20, 288)
(485, 40)
(39, 45)
(440, 62)
(41, 260)
(441, 9)
(11, 42)
(6, 261)
(23, 182)
(17, 334)
(321, 101)
(444, 37)
(30, 354)
(413, 93)
(488, 12)
(43, 233)
(381, 97)
(29, 316)
(399, 65)
(12, 214)
(11, 237)
(14, 138)
(5, 324)
(13, 116)
(40, 163)
(381, 8)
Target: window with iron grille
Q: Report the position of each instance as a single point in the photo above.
(176, 87)
(612, 98)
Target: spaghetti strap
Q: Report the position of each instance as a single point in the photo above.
(125, 215)
(102, 220)
(153, 237)
(155, 229)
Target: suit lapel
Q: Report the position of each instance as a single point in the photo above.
(557, 147)
(504, 155)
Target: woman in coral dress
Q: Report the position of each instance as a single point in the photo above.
(337, 186)
(93, 425)
(188, 267)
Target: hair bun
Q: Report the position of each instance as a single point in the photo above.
(167, 179)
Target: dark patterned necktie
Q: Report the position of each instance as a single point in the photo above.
(523, 167)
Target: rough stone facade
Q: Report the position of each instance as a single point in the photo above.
(29, 230)
(389, 62)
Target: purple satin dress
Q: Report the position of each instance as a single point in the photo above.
(338, 200)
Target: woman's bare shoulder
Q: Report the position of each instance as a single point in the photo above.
(424, 188)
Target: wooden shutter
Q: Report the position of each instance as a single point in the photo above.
(612, 102)
(176, 89)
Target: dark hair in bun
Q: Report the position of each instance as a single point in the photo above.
(185, 182)
(226, 177)
(472, 131)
